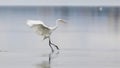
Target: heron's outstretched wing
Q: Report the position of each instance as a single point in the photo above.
(39, 27)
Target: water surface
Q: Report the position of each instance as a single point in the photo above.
(89, 40)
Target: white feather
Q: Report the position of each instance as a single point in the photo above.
(41, 29)
(33, 22)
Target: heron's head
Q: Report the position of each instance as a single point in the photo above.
(61, 21)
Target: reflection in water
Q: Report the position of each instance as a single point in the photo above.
(47, 64)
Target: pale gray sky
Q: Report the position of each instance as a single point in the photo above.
(60, 2)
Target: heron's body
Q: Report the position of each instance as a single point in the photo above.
(41, 29)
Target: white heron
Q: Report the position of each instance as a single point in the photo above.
(41, 29)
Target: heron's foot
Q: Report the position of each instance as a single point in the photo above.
(52, 50)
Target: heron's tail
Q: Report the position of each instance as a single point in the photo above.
(45, 37)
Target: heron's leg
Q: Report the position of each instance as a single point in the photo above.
(52, 55)
(55, 45)
(50, 45)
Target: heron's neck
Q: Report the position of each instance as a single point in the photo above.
(55, 27)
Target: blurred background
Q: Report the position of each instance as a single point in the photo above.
(89, 39)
